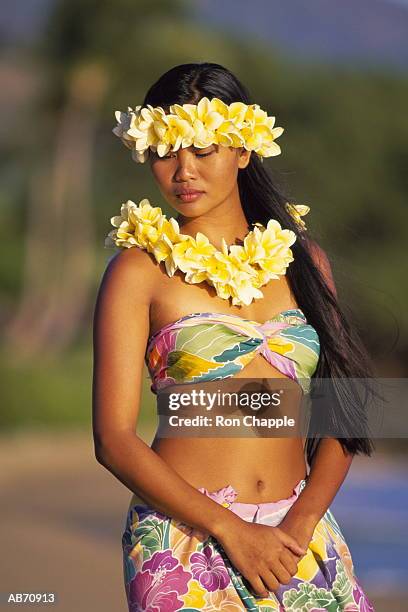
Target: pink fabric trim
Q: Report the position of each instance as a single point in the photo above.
(271, 512)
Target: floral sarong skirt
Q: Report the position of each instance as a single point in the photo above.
(171, 566)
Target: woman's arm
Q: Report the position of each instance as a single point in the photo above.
(121, 329)
(331, 463)
(327, 473)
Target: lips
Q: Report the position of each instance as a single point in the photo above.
(188, 192)
(189, 195)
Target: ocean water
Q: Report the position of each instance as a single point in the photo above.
(372, 511)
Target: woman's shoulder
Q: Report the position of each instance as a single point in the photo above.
(132, 271)
(321, 261)
(316, 251)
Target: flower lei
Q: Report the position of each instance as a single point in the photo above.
(208, 122)
(236, 272)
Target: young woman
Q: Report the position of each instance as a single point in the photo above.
(233, 287)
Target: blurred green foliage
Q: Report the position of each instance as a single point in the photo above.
(56, 392)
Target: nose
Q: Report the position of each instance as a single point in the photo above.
(185, 165)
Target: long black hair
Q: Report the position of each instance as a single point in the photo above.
(342, 352)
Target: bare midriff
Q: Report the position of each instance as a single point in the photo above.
(261, 469)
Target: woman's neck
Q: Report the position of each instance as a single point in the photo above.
(226, 221)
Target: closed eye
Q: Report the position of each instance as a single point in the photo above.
(196, 154)
(204, 154)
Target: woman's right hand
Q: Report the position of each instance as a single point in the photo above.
(266, 556)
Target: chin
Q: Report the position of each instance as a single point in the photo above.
(190, 209)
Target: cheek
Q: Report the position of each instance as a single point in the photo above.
(222, 172)
(156, 171)
(161, 175)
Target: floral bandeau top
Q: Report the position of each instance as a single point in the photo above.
(208, 346)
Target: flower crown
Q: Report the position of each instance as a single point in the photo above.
(236, 272)
(208, 122)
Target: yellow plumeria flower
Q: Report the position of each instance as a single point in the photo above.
(136, 129)
(144, 212)
(126, 222)
(218, 269)
(145, 235)
(177, 254)
(211, 113)
(254, 249)
(222, 289)
(236, 259)
(191, 254)
(178, 132)
(243, 290)
(237, 281)
(297, 211)
(168, 234)
(276, 242)
(237, 112)
(262, 277)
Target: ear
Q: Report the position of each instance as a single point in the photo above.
(244, 157)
